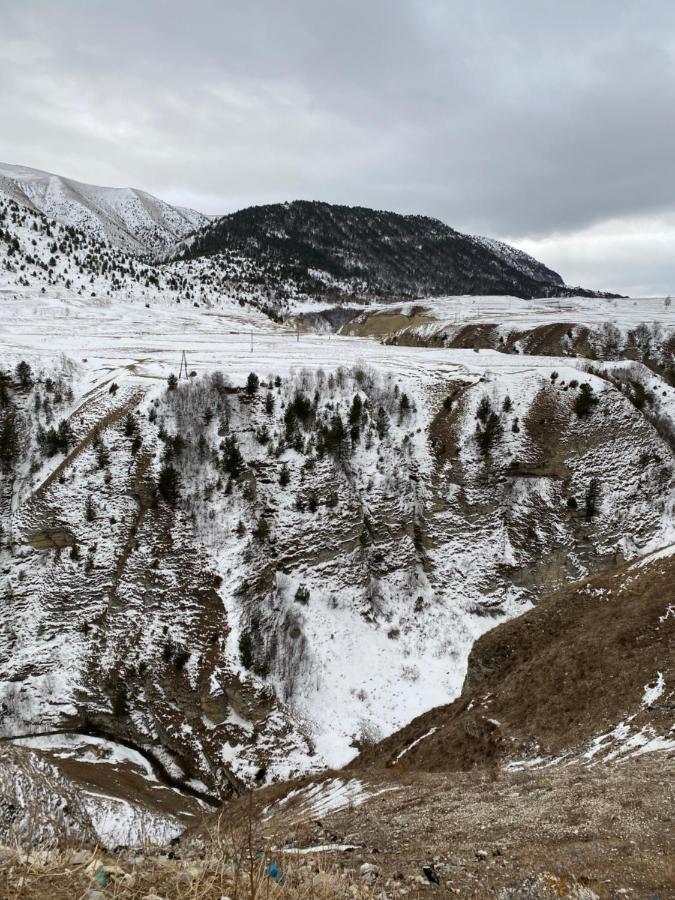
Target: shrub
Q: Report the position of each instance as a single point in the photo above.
(489, 434)
(302, 595)
(261, 532)
(24, 374)
(246, 650)
(89, 509)
(356, 410)
(592, 498)
(300, 409)
(333, 437)
(180, 658)
(639, 395)
(172, 382)
(102, 455)
(252, 384)
(382, 422)
(585, 400)
(168, 483)
(233, 461)
(8, 440)
(56, 440)
(484, 409)
(130, 425)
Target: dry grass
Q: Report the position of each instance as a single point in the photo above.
(232, 862)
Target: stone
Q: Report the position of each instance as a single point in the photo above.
(545, 886)
(79, 857)
(481, 854)
(113, 871)
(369, 872)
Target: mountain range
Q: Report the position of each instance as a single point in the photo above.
(282, 255)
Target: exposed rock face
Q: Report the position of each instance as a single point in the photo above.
(324, 566)
(38, 807)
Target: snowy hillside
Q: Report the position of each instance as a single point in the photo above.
(125, 218)
(283, 259)
(343, 255)
(592, 328)
(41, 255)
(258, 577)
(520, 260)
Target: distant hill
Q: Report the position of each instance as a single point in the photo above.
(342, 253)
(126, 218)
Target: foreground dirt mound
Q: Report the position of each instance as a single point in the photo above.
(568, 831)
(588, 673)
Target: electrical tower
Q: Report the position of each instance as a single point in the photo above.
(183, 366)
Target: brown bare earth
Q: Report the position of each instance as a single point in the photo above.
(547, 682)
(607, 828)
(573, 831)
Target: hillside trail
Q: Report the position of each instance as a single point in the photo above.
(81, 417)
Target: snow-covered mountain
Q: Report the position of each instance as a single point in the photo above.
(343, 254)
(528, 265)
(126, 218)
(282, 258)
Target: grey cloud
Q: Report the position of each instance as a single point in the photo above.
(533, 119)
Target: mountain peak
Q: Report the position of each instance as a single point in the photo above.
(127, 218)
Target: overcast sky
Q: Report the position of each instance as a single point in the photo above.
(547, 123)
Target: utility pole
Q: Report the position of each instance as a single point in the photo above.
(183, 366)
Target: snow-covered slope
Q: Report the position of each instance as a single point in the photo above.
(40, 255)
(347, 255)
(277, 612)
(594, 328)
(520, 260)
(126, 218)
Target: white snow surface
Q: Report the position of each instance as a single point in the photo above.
(653, 691)
(359, 680)
(317, 800)
(127, 218)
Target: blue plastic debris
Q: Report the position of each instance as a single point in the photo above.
(275, 873)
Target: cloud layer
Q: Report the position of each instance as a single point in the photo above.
(546, 123)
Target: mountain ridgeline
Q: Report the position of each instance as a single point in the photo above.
(342, 252)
